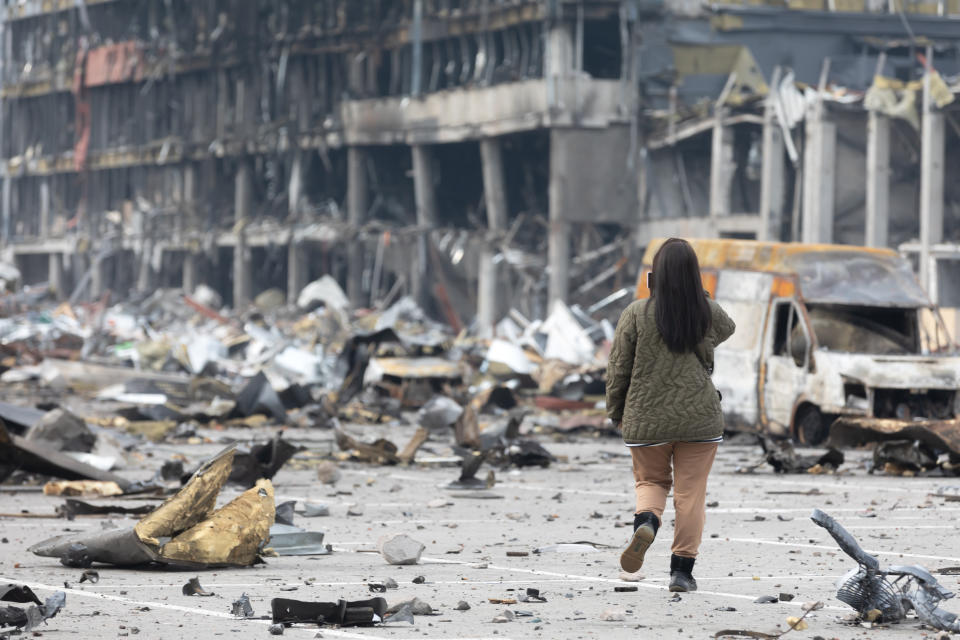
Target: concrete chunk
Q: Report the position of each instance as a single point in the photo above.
(400, 549)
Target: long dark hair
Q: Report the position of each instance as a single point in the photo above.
(680, 303)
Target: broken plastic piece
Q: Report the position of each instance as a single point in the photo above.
(29, 618)
(193, 588)
(91, 576)
(287, 540)
(18, 593)
(263, 461)
(285, 512)
(241, 607)
(346, 614)
(405, 614)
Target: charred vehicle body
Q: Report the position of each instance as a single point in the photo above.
(829, 339)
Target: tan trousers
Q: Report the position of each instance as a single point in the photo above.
(654, 477)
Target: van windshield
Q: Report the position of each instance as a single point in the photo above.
(873, 330)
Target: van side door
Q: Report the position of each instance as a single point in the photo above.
(744, 295)
(786, 364)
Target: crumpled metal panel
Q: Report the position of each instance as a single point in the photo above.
(287, 540)
(943, 435)
(233, 535)
(192, 504)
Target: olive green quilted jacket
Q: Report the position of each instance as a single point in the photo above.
(657, 395)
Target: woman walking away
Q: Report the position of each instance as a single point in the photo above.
(660, 395)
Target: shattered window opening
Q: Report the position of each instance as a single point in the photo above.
(789, 338)
(908, 404)
(871, 330)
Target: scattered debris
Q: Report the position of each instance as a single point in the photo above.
(416, 605)
(71, 508)
(400, 549)
(193, 588)
(888, 591)
(86, 488)
(241, 607)
(781, 456)
(315, 510)
(505, 616)
(358, 613)
(34, 615)
(405, 614)
(186, 530)
(91, 576)
(613, 615)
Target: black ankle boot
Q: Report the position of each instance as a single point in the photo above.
(645, 527)
(681, 574)
(646, 517)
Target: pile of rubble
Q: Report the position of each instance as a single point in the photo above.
(104, 381)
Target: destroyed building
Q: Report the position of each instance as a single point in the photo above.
(478, 154)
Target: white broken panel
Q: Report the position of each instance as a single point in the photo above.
(566, 339)
(511, 356)
(743, 286)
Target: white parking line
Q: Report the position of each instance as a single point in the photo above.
(302, 631)
(831, 548)
(642, 584)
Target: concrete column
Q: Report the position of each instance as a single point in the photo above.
(931, 183)
(189, 204)
(98, 280)
(190, 272)
(558, 61)
(495, 197)
(45, 208)
(771, 177)
(721, 167)
(295, 185)
(55, 279)
(5, 208)
(357, 207)
(819, 162)
(878, 180)
(242, 268)
(426, 199)
(296, 269)
(558, 247)
(145, 279)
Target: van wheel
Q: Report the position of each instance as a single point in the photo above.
(809, 425)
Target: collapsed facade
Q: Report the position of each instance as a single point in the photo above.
(481, 155)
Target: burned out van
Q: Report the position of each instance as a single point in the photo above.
(824, 332)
